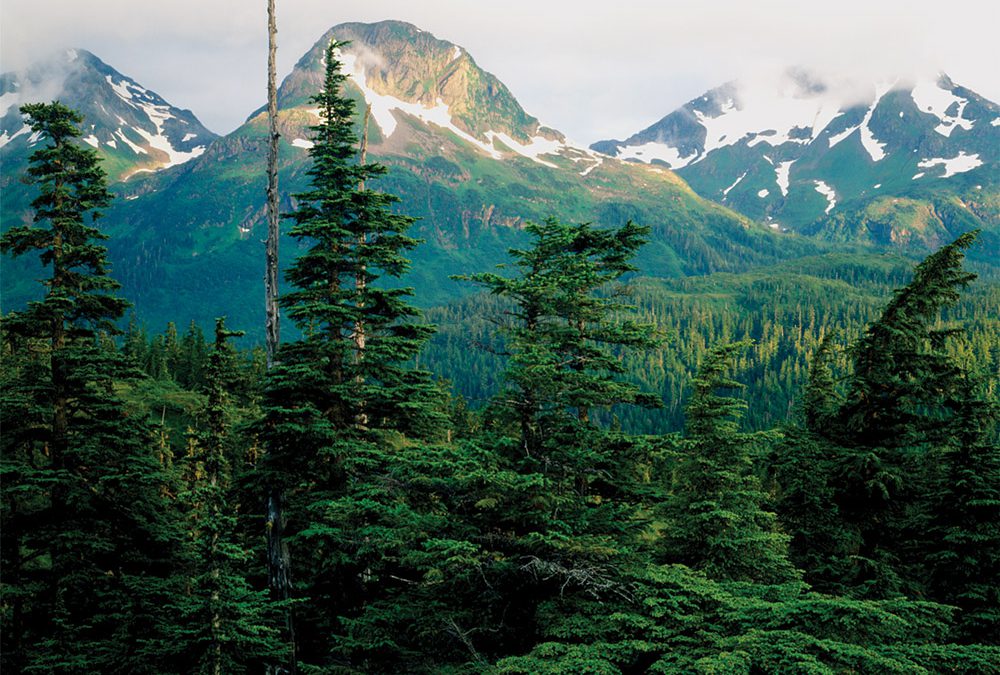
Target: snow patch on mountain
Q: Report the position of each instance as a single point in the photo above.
(5, 139)
(725, 193)
(137, 149)
(384, 108)
(7, 100)
(782, 173)
(92, 141)
(931, 98)
(536, 147)
(874, 149)
(598, 160)
(959, 164)
(837, 138)
(158, 113)
(776, 114)
(828, 192)
(302, 143)
(647, 152)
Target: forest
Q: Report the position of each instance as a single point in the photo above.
(540, 486)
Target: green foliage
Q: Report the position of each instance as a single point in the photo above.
(227, 625)
(903, 379)
(533, 535)
(563, 332)
(87, 544)
(678, 620)
(716, 518)
(339, 397)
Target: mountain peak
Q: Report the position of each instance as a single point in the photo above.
(796, 150)
(398, 67)
(133, 128)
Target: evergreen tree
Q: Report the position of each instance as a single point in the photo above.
(569, 514)
(333, 402)
(569, 326)
(962, 546)
(821, 400)
(905, 399)
(802, 469)
(86, 550)
(228, 624)
(903, 389)
(718, 523)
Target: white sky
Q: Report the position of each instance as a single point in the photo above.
(593, 70)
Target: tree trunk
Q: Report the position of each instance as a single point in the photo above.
(278, 561)
(59, 442)
(271, 325)
(278, 572)
(359, 281)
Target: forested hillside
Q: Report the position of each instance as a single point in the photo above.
(786, 310)
(599, 502)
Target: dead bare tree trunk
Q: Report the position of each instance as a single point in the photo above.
(278, 560)
(360, 281)
(271, 324)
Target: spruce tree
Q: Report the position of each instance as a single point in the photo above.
(903, 388)
(567, 523)
(87, 542)
(569, 325)
(717, 519)
(228, 625)
(333, 402)
(802, 468)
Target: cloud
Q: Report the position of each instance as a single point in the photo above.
(591, 69)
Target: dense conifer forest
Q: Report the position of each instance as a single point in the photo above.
(541, 486)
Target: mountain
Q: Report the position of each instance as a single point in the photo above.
(905, 164)
(132, 128)
(463, 155)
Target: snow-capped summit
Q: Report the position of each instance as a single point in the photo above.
(795, 150)
(417, 83)
(133, 128)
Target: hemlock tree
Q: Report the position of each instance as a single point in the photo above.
(568, 325)
(904, 387)
(904, 400)
(333, 402)
(87, 542)
(801, 467)
(962, 548)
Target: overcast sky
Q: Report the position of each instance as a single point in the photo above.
(593, 70)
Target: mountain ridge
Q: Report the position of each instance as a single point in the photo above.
(471, 183)
(133, 128)
(807, 158)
